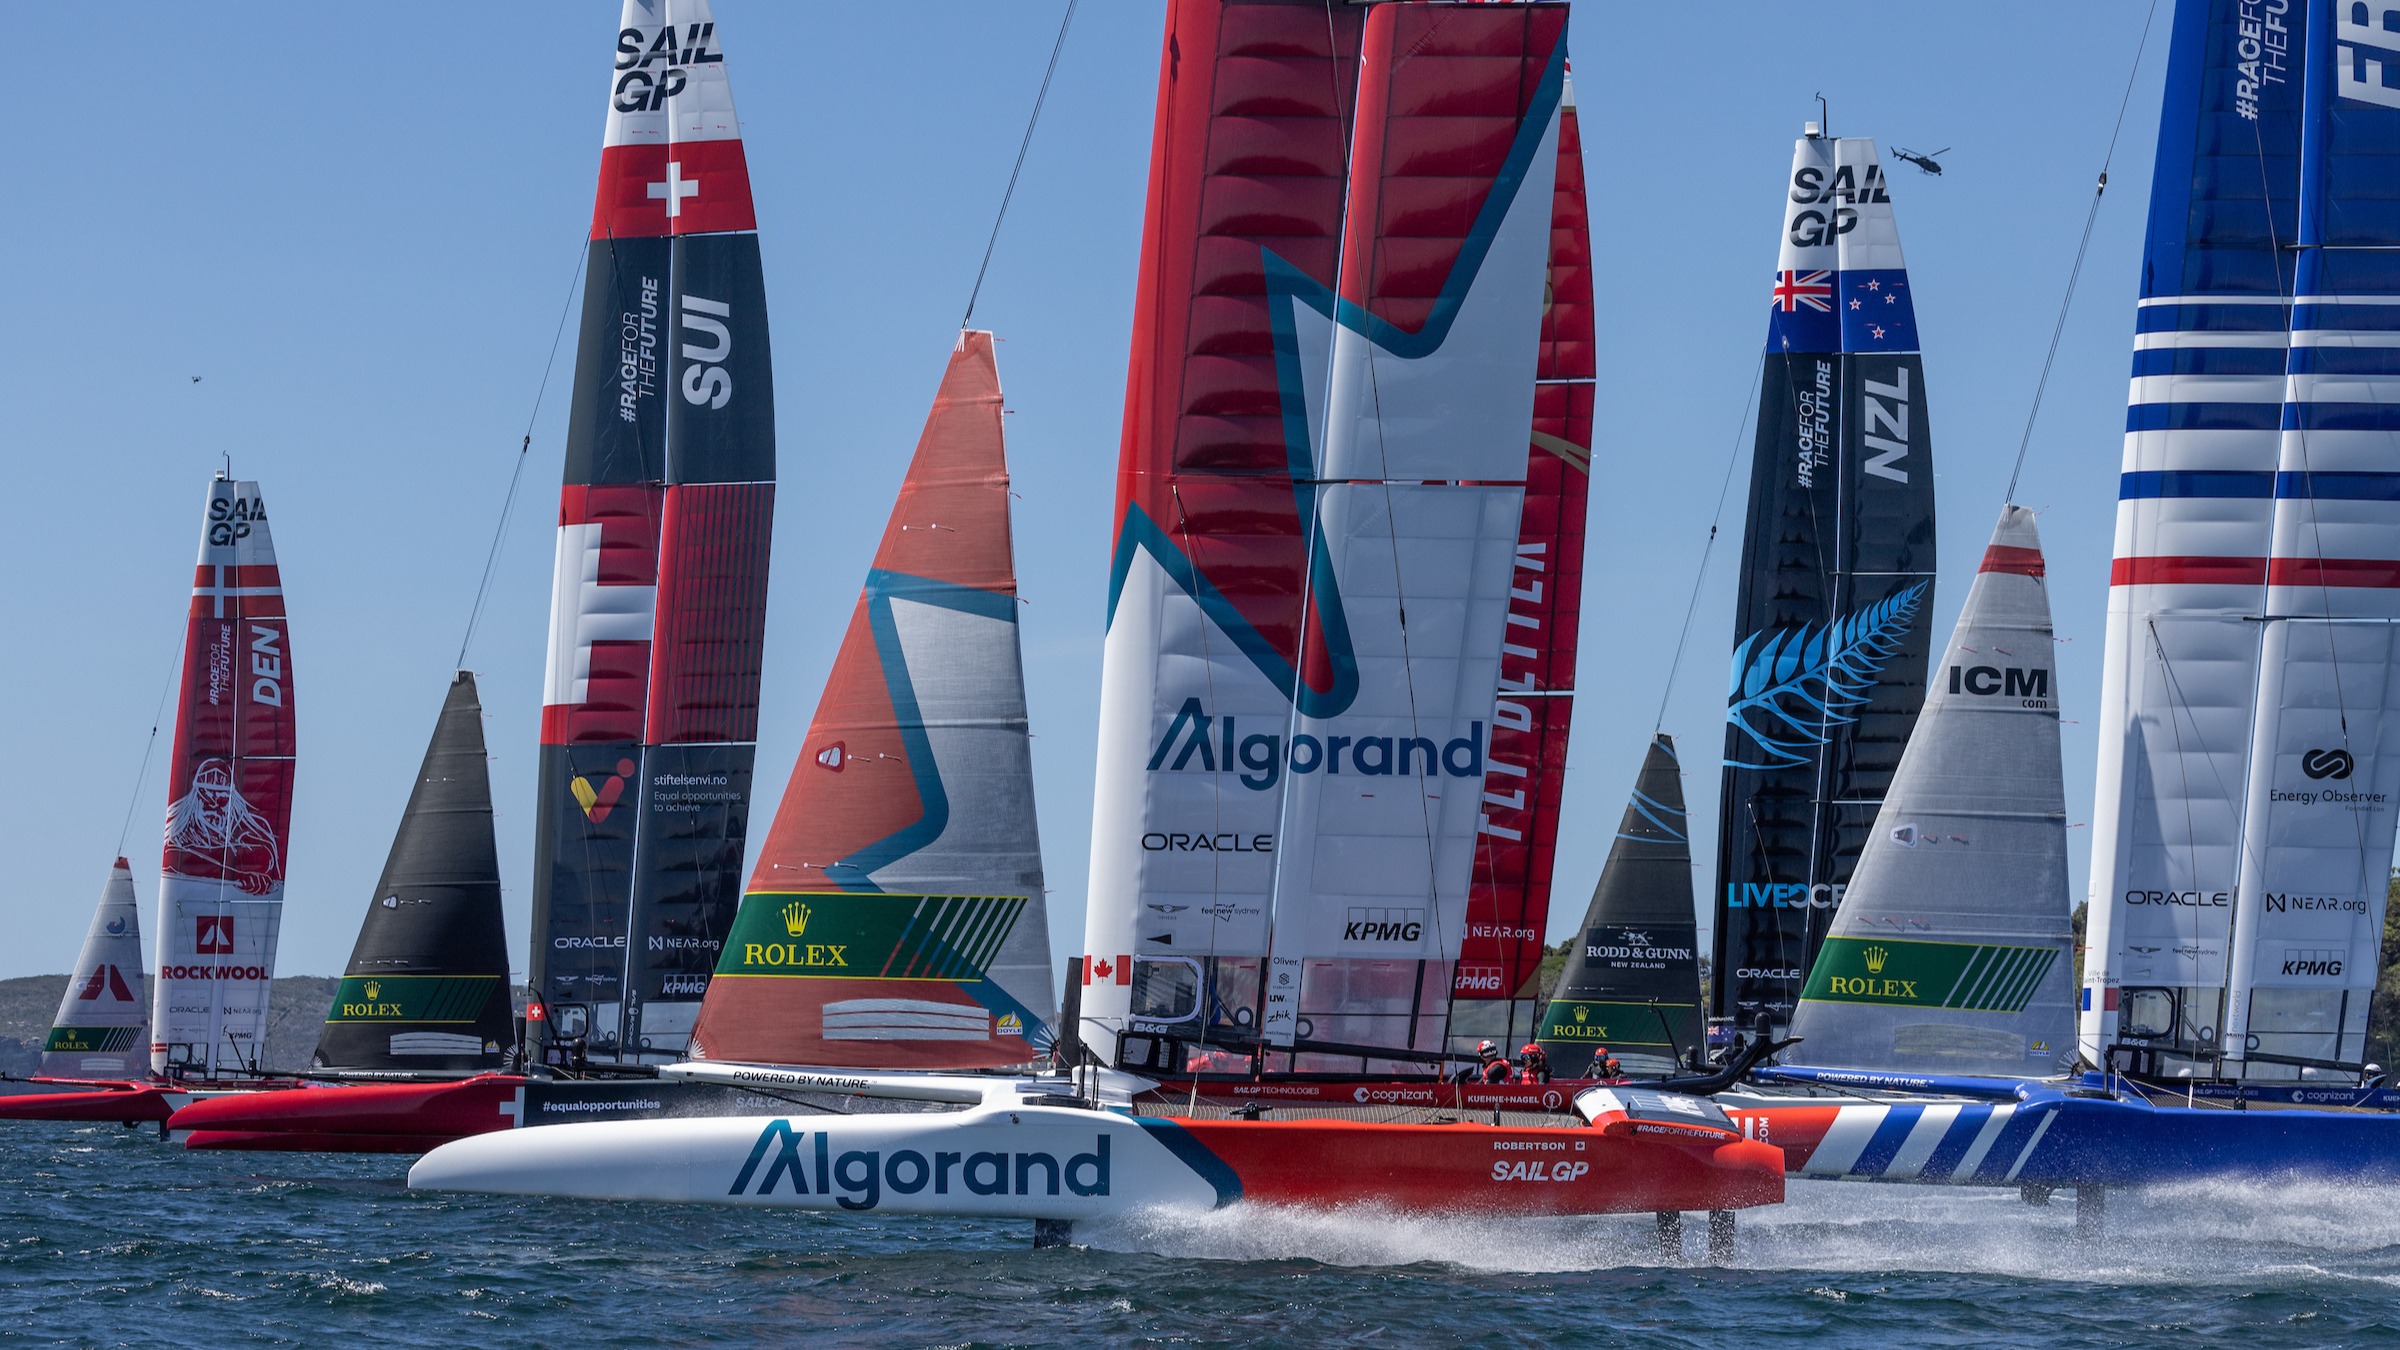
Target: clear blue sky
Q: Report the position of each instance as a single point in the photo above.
(358, 224)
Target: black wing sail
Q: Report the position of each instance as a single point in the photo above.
(1830, 636)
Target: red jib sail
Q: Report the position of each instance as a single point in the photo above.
(1509, 904)
(895, 918)
(651, 704)
(229, 812)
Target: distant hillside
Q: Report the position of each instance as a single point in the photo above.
(295, 1014)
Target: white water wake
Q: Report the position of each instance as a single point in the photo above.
(2175, 1234)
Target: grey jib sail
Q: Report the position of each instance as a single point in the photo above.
(1950, 952)
(1837, 582)
(1632, 979)
(427, 985)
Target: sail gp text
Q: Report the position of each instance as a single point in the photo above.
(857, 1178)
(1199, 741)
(1538, 1169)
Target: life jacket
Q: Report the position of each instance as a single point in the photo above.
(1497, 1071)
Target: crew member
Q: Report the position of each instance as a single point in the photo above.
(1605, 1066)
(1490, 1067)
(1533, 1064)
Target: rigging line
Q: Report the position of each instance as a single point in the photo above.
(157, 715)
(2075, 273)
(1691, 610)
(1022, 146)
(491, 558)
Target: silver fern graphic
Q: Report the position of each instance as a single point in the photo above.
(1790, 685)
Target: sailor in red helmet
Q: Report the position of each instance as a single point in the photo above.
(1490, 1065)
(1533, 1064)
(1605, 1067)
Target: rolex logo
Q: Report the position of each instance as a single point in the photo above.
(373, 989)
(1876, 956)
(1582, 1013)
(795, 918)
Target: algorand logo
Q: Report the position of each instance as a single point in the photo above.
(857, 1178)
(1198, 741)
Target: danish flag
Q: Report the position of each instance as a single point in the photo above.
(1813, 289)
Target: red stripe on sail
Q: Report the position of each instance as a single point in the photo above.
(951, 520)
(2188, 571)
(2379, 573)
(708, 183)
(2024, 562)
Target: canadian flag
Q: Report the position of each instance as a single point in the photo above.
(1101, 967)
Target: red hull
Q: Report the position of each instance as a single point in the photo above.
(126, 1104)
(1485, 1169)
(304, 1141)
(1388, 1092)
(403, 1117)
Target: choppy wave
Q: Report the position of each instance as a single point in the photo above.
(108, 1235)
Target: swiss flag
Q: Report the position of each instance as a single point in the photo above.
(690, 187)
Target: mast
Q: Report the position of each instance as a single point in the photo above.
(1508, 900)
(98, 1030)
(1279, 853)
(1837, 557)
(229, 812)
(426, 987)
(1631, 984)
(896, 917)
(651, 704)
(1949, 953)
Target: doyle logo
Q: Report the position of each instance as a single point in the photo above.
(2366, 59)
(2323, 764)
(705, 381)
(230, 519)
(1379, 924)
(833, 757)
(1009, 1025)
(2032, 686)
(857, 1178)
(795, 918)
(641, 89)
(2323, 962)
(597, 802)
(106, 979)
(212, 935)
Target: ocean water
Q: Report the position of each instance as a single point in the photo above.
(109, 1237)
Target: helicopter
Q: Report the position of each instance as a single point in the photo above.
(1926, 163)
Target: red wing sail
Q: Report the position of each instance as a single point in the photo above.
(658, 614)
(895, 918)
(229, 811)
(1509, 905)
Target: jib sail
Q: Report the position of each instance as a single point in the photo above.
(896, 918)
(426, 988)
(1830, 637)
(1951, 951)
(229, 809)
(650, 709)
(98, 1031)
(2249, 748)
(1319, 506)
(1631, 985)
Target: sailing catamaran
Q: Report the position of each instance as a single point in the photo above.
(2244, 825)
(650, 699)
(1837, 580)
(228, 832)
(1318, 532)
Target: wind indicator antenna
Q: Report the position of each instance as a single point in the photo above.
(1823, 125)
